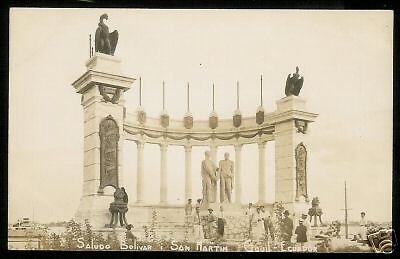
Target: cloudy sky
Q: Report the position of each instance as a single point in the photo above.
(344, 56)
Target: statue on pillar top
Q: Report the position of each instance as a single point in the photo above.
(105, 42)
(294, 84)
(226, 173)
(209, 177)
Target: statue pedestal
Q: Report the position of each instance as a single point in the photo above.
(289, 169)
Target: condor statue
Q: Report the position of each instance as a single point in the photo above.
(294, 83)
(105, 42)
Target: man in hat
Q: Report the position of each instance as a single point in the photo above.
(211, 224)
(306, 223)
(301, 232)
(198, 226)
(189, 208)
(268, 225)
(198, 204)
(286, 228)
(221, 222)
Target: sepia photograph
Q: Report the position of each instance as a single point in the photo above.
(200, 130)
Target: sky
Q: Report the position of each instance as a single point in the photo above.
(344, 56)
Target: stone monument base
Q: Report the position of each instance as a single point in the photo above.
(168, 221)
(95, 209)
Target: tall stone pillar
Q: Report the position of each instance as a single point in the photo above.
(188, 172)
(261, 172)
(238, 168)
(140, 176)
(213, 152)
(291, 151)
(102, 89)
(163, 174)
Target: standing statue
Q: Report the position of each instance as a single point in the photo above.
(315, 211)
(209, 178)
(105, 42)
(294, 83)
(119, 207)
(226, 173)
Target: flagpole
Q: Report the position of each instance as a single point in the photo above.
(261, 90)
(188, 101)
(140, 91)
(213, 98)
(163, 92)
(237, 95)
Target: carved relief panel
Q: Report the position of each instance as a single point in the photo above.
(301, 171)
(109, 137)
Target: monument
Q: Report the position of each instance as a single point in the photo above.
(102, 89)
(108, 125)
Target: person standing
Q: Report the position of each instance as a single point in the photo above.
(268, 225)
(198, 226)
(363, 227)
(189, 208)
(250, 215)
(221, 222)
(306, 223)
(198, 204)
(226, 173)
(211, 224)
(301, 232)
(259, 230)
(286, 229)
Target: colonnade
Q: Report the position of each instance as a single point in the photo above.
(140, 144)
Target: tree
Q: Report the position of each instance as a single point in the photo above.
(71, 235)
(88, 233)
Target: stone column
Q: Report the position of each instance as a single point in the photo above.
(238, 184)
(188, 172)
(163, 174)
(140, 176)
(261, 172)
(213, 152)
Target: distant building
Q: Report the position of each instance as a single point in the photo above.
(25, 235)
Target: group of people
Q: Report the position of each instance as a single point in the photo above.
(262, 225)
(259, 222)
(211, 226)
(302, 230)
